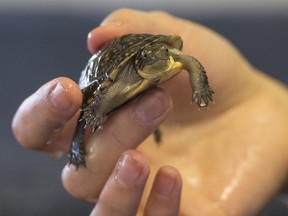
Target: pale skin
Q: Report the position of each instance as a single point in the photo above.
(229, 159)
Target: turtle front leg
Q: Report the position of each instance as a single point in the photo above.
(201, 91)
(93, 114)
(90, 115)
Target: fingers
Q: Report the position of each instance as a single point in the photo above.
(122, 193)
(164, 199)
(39, 123)
(125, 129)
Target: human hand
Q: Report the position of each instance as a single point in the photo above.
(45, 121)
(123, 190)
(220, 155)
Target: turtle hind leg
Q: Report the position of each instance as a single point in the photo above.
(157, 136)
(76, 153)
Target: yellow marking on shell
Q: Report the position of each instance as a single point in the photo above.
(114, 73)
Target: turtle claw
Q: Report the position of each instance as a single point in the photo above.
(203, 96)
(76, 153)
(93, 117)
(96, 122)
(77, 158)
(97, 126)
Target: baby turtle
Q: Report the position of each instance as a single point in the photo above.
(125, 67)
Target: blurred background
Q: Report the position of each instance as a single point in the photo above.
(41, 40)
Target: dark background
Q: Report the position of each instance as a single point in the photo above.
(36, 47)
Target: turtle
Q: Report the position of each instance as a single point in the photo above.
(125, 67)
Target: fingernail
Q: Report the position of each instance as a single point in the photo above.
(89, 35)
(128, 171)
(151, 106)
(59, 97)
(164, 185)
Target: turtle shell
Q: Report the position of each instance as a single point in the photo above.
(104, 66)
(115, 74)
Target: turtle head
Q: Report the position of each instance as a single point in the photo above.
(155, 62)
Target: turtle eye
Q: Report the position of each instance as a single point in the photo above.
(144, 55)
(165, 49)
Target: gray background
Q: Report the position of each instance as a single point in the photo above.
(41, 40)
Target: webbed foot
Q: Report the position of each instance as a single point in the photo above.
(203, 96)
(92, 116)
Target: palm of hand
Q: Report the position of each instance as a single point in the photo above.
(229, 159)
(234, 152)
